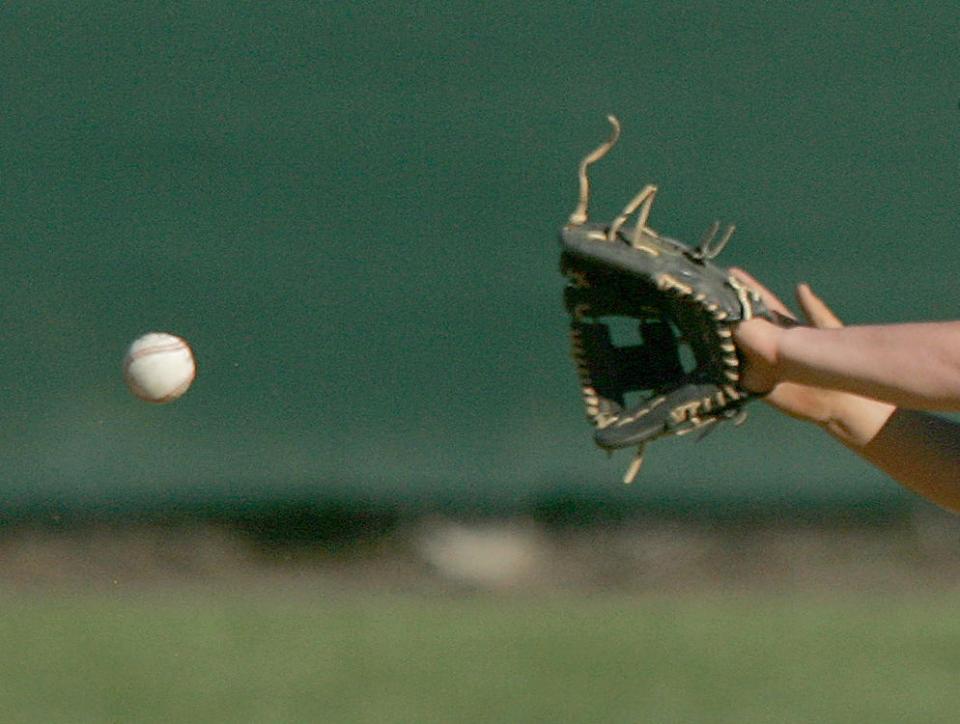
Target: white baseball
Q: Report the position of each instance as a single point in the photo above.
(159, 367)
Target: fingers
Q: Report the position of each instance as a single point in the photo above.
(769, 298)
(815, 309)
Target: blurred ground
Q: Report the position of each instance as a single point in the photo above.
(914, 552)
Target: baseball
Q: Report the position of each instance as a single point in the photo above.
(159, 367)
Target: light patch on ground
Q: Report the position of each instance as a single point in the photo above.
(488, 555)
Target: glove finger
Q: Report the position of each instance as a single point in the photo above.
(771, 300)
(816, 310)
(675, 412)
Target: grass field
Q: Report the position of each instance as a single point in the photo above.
(230, 656)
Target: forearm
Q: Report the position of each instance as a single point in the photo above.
(909, 365)
(920, 451)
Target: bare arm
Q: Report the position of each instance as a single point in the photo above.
(919, 450)
(910, 365)
(922, 452)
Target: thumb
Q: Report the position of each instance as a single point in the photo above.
(815, 309)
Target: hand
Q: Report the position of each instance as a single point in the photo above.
(758, 342)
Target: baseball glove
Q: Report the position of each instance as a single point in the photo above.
(683, 373)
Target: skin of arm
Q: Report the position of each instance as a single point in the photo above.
(854, 387)
(920, 451)
(909, 365)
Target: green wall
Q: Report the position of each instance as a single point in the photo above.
(350, 210)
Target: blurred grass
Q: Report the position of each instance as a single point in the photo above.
(303, 657)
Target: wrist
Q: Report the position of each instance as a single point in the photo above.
(758, 342)
(852, 419)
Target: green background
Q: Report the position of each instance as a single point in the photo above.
(351, 209)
